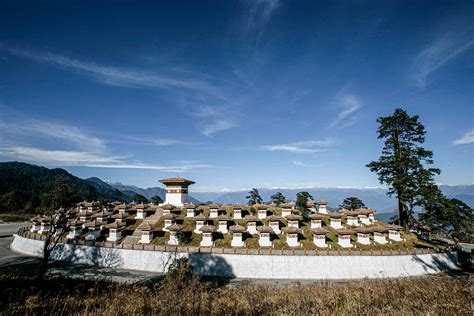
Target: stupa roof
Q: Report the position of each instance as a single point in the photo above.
(176, 180)
(265, 229)
(168, 216)
(344, 231)
(316, 216)
(291, 230)
(175, 227)
(260, 206)
(116, 225)
(208, 229)
(237, 228)
(294, 217)
(319, 231)
(251, 218)
(274, 218)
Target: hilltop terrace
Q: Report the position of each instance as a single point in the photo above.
(237, 225)
(228, 226)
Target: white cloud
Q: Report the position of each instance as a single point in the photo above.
(217, 126)
(18, 125)
(85, 159)
(72, 158)
(301, 147)
(144, 140)
(467, 138)
(300, 185)
(291, 149)
(76, 148)
(37, 128)
(259, 13)
(345, 118)
(116, 76)
(445, 48)
(190, 88)
(298, 163)
(205, 111)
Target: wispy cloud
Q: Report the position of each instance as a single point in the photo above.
(152, 141)
(209, 129)
(467, 138)
(305, 147)
(76, 147)
(194, 88)
(444, 49)
(14, 124)
(124, 77)
(214, 119)
(85, 159)
(346, 117)
(259, 13)
(206, 111)
(298, 163)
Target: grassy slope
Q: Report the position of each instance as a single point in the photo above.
(431, 295)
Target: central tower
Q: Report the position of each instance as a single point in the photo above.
(176, 190)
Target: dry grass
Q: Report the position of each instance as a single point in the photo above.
(425, 295)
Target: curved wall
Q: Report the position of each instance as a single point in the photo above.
(249, 266)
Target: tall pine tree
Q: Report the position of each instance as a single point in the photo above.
(403, 162)
(254, 197)
(352, 203)
(278, 198)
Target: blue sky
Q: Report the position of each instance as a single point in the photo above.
(233, 94)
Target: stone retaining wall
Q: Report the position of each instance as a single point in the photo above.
(261, 266)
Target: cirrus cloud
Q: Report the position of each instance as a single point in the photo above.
(467, 138)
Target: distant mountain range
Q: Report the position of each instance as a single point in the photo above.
(24, 187)
(375, 198)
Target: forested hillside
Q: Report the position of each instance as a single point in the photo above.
(28, 188)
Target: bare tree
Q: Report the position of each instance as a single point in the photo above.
(58, 228)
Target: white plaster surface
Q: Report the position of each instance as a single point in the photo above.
(199, 224)
(276, 227)
(207, 240)
(394, 235)
(114, 235)
(237, 241)
(264, 241)
(292, 240)
(243, 266)
(173, 239)
(335, 223)
(223, 227)
(320, 241)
